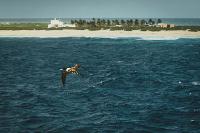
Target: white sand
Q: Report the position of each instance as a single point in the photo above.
(100, 33)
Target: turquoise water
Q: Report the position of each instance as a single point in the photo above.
(125, 85)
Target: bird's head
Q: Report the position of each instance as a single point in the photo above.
(77, 65)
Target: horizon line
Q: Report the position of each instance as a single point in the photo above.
(99, 18)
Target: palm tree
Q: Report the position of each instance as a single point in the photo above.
(93, 19)
(98, 23)
(150, 22)
(153, 22)
(142, 22)
(113, 22)
(159, 21)
(103, 22)
(108, 22)
(136, 22)
(84, 22)
(75, 22)
(127, 22)
(131, 22)
(117, 22)
(122, 22)
(72, 21)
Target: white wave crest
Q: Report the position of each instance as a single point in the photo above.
(158, 38)
(195, 83)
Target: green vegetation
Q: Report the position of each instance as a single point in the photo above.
(159, 21)
(127, 25)
(24, 26)
(101, 24)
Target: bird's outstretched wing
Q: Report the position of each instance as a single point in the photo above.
(63, 77)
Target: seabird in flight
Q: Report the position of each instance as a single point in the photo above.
(65, 71)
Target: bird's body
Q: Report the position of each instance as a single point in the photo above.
(66, 71)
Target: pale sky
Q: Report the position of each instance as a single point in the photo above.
(100, 8)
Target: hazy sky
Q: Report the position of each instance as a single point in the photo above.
(99, 8)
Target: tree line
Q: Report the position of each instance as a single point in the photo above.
(103, 23)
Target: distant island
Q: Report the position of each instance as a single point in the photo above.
(106, 28)
(100, 24)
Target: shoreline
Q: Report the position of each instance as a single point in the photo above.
(99, 34)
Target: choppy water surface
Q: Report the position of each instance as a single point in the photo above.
(126, 85)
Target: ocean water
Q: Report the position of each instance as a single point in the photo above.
(125, 85)
(176, 21)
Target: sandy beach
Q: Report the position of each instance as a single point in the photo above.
(100, 33)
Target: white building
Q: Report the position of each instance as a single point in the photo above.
(59, 24)
(56, 24)
(164, 25)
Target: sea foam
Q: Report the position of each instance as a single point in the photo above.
(195, 83)
(157, 38)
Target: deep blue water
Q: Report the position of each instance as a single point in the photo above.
(126, 85)
(176, 21)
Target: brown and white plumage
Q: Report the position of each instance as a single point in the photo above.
(65, 72)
